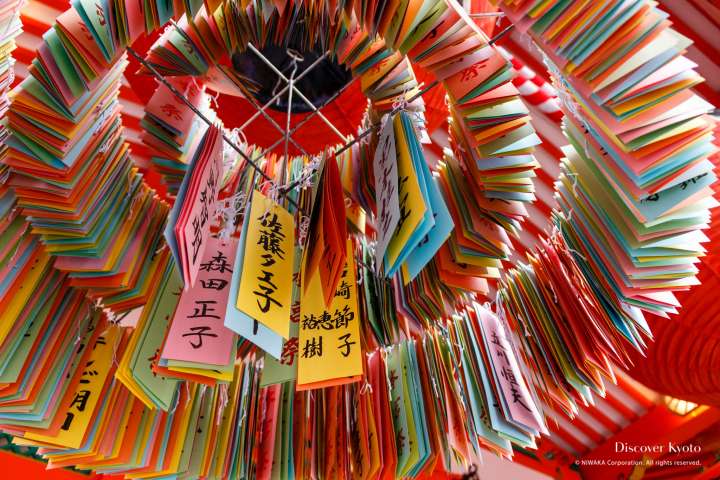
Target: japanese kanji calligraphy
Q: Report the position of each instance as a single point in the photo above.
(366, 240)
(265, 287)
(92, 383)
(284, 369)
(188, 231)
(385, 167)
(515, 399)
(329, 349)
(197, 332)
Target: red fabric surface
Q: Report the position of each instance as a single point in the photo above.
(142, 85)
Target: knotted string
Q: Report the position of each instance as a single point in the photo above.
(224, 400)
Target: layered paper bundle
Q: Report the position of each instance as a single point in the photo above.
(409, 375)
(197, 343)
(11, 27)
(202, 48)
(32, 317)
(490, 124)
(401, 426)
(634, 193)
(412, 219)
(27, 292)
(173, 131)
(188, 229)
(57, 358)
(145, 417)
(74, 178)
(491, 165)
(568, 339)
(636, 182)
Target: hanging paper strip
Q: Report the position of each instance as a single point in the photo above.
(442, 376)
(265, 288)
(187, 231)
(197, 340)
(635, 186)
(329, 347)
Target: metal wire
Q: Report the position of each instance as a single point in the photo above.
(316, 111)
(486, 14)
(308, 118)
(202, 116)
(284, 89)
(295, 89)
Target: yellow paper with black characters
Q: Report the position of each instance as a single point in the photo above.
(412, 204)
(329, 349)
(265, 292)
(87, 397)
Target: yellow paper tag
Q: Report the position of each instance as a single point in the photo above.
(329, 347)
(412, 206)
(265, 292)
(96, 370)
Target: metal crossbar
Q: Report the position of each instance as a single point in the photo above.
(281, 92)
(287, 133)
(202, 116)
(296, 90)
(307, 118)
(395, 110)
(261, 111)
